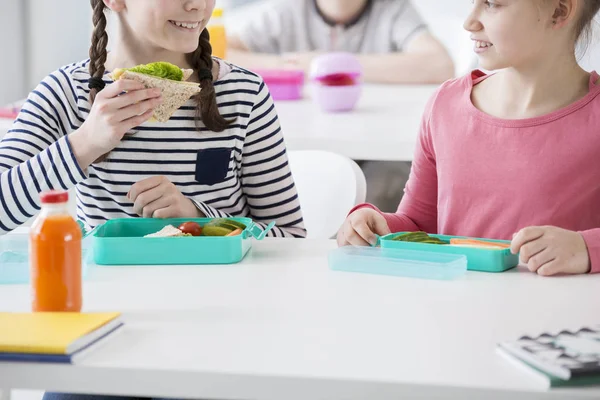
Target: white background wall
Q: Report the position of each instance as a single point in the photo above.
(445, 20)
(12, 79)
(37, 37)
(591, 58)
(58, 33)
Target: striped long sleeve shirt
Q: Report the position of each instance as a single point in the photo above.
(242, 171)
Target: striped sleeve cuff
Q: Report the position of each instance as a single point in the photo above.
(72, 162)
(208, 211)
(55, 168)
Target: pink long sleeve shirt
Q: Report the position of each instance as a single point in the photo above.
(480, 176)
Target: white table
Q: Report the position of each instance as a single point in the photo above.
(383, 127)
(281, 325)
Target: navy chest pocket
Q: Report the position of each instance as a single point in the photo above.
(212, 165)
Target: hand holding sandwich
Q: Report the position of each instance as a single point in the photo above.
(112, 115)
(152, 91)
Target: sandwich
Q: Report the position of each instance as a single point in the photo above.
(169, 78)
(167, 231)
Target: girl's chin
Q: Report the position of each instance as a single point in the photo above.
(491, 65)
(181, 49)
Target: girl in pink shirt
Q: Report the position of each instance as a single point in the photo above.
(514, 155)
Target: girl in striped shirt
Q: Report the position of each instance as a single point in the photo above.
(221, 154)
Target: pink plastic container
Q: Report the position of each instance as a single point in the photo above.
(336, 81)
(283, 84)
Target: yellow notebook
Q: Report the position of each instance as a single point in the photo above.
(53, 333)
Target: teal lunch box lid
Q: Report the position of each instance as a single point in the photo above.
(398, 262)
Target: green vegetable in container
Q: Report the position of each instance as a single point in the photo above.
(418, 237)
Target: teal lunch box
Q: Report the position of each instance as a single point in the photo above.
(485, 260)
(122, 242)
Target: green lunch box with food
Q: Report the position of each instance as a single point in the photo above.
(487, 255)
(178, 241)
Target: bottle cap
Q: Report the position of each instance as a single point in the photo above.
(54, 197)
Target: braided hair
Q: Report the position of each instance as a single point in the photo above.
(200, 60)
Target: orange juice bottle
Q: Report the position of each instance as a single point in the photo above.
(55, 256)
(218, 37)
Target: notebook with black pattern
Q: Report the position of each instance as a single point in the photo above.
(566, 357)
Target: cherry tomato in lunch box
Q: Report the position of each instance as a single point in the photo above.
(191, 228)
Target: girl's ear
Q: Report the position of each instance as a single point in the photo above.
(115, 5)
(564, 12)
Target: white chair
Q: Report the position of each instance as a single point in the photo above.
(328, 185)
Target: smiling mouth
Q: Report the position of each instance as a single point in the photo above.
(186, 25)
(482, 45)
